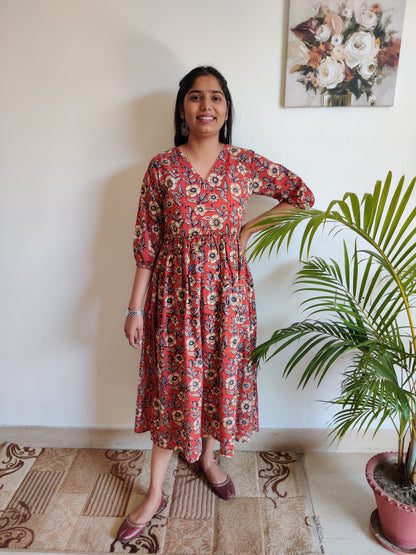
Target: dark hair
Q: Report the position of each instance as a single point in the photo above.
(184, 86)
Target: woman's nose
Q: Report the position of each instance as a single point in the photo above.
(206, 103)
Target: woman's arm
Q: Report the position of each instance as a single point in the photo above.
(133, 326)
(276, 181)
(247, 229)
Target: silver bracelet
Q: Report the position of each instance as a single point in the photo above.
(134, 312)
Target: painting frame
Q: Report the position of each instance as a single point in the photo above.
(343, 52)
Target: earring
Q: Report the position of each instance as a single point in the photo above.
(184, 128)
(225, 128)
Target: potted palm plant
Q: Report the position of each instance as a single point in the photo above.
(360, 312)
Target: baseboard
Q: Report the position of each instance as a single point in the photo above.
(268, 439)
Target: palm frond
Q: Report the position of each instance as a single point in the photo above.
(370, 393)
(359, 310)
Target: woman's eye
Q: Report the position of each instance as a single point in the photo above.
(217, 98)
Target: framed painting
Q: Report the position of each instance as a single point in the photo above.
(343, 53)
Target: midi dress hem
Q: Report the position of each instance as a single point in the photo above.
(229, 453)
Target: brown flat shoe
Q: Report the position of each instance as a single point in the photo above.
(129, 531)
(225, 490)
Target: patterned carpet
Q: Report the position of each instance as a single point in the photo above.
(73, 500)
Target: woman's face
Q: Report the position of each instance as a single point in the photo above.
(205, 107)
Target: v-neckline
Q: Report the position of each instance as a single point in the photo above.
(211, 170)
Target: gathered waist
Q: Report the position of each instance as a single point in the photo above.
(197, 237)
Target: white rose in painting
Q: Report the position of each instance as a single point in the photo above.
(367, 19)
(330, 72)
(359, 47)
(367, 68)
(323, 33)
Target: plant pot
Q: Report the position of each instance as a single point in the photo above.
(397, 520)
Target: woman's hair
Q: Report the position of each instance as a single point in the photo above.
(185, 85)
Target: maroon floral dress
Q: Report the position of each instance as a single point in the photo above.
(195, 375)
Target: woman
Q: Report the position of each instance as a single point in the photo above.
(196, 383)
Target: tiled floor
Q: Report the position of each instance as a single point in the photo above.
(340, 494)
(344, 502)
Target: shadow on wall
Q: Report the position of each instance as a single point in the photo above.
(115, 381)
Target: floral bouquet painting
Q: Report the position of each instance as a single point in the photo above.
(343, 53)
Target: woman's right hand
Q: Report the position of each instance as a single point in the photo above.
(133, 330)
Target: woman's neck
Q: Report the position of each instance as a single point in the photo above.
(203, 148)
(202, 155)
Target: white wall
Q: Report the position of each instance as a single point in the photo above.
(87, 89)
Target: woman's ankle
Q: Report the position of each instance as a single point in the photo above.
(154, 493)
(207, 459)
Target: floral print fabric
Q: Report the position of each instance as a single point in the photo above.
(195, 376)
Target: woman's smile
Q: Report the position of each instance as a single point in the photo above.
(206, 119)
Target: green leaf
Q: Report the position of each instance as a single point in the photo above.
(381, 204)
(360, 309)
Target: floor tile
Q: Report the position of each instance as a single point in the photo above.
(343, 501)
(357, 546)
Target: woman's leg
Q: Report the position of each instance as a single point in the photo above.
(214, 473)
(158, 467)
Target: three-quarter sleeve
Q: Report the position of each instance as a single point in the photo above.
(149, 223)
(274, 180)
